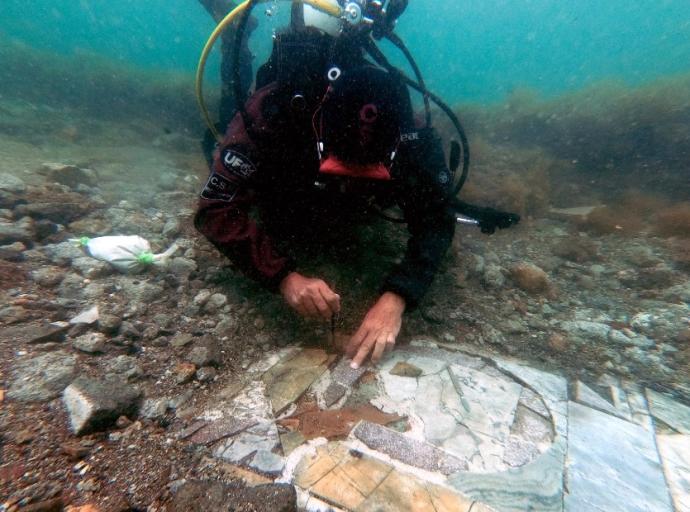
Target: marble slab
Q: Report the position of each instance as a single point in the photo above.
(673, 413)
(675, 456)
(290, 378)
(612, 465)
(587, 396)
(537, 486)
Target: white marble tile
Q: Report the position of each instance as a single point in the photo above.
(612, 465)
(675, 457)
(675, 414)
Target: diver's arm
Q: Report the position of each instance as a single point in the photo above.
(224, 206)
(423, 198)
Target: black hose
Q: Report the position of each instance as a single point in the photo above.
(381, 59)
(393, 38)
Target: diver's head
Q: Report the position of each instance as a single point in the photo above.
(377, 16)
(358, 125)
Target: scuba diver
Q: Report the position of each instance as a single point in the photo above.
(327, 138)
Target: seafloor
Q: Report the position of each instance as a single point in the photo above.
(534, 348)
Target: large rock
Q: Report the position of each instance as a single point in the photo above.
(69, 175)
(61, 208)
(94, 404)
(42, 377)
(206, 352)
(11, 188)
(19, 231)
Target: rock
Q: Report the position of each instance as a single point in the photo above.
(90, 343)
(71, 286)
(11, 183)
(74, 450)
(109, 324)
(141, 291)
(591, 330)
(171, 228)
(69, 175)
(182, 267)
(20, 231)
(12, 252)
(88, 317)
(180, 340)
(184, 373)
(206, 374)
(129, 331)
(94, 404)
(42, 377)
(558, 342)
(24, 437)
(164, 322)
(63, 253)
(206, 352)
(201, 298)
(493, 276)
(530, 278)
(125, 366)
(403, 369)
(42, 333)
(153, 408)
(60, 208)
(13, 315)
(227, 325)
(215, 302)
(48, 276)
(91, 268)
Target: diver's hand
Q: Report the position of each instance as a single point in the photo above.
(378, 331)
(310, 297)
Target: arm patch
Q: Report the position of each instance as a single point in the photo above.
(224, 188)
(219, 188)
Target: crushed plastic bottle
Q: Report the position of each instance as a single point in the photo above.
(128, 254)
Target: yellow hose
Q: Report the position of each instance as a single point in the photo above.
(322, 5)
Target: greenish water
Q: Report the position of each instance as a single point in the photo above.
(469, 50)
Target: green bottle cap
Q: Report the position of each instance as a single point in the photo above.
(146, 258)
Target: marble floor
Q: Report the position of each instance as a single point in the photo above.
(450, 431)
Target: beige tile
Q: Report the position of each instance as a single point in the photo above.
(313, 468)
(338, 489)
(445, 500)
(398, 492)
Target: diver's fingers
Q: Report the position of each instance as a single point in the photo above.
(355, 341)
(332, 299)
(390, 343)
(364, 349)
(322, 307)
(379, 347)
